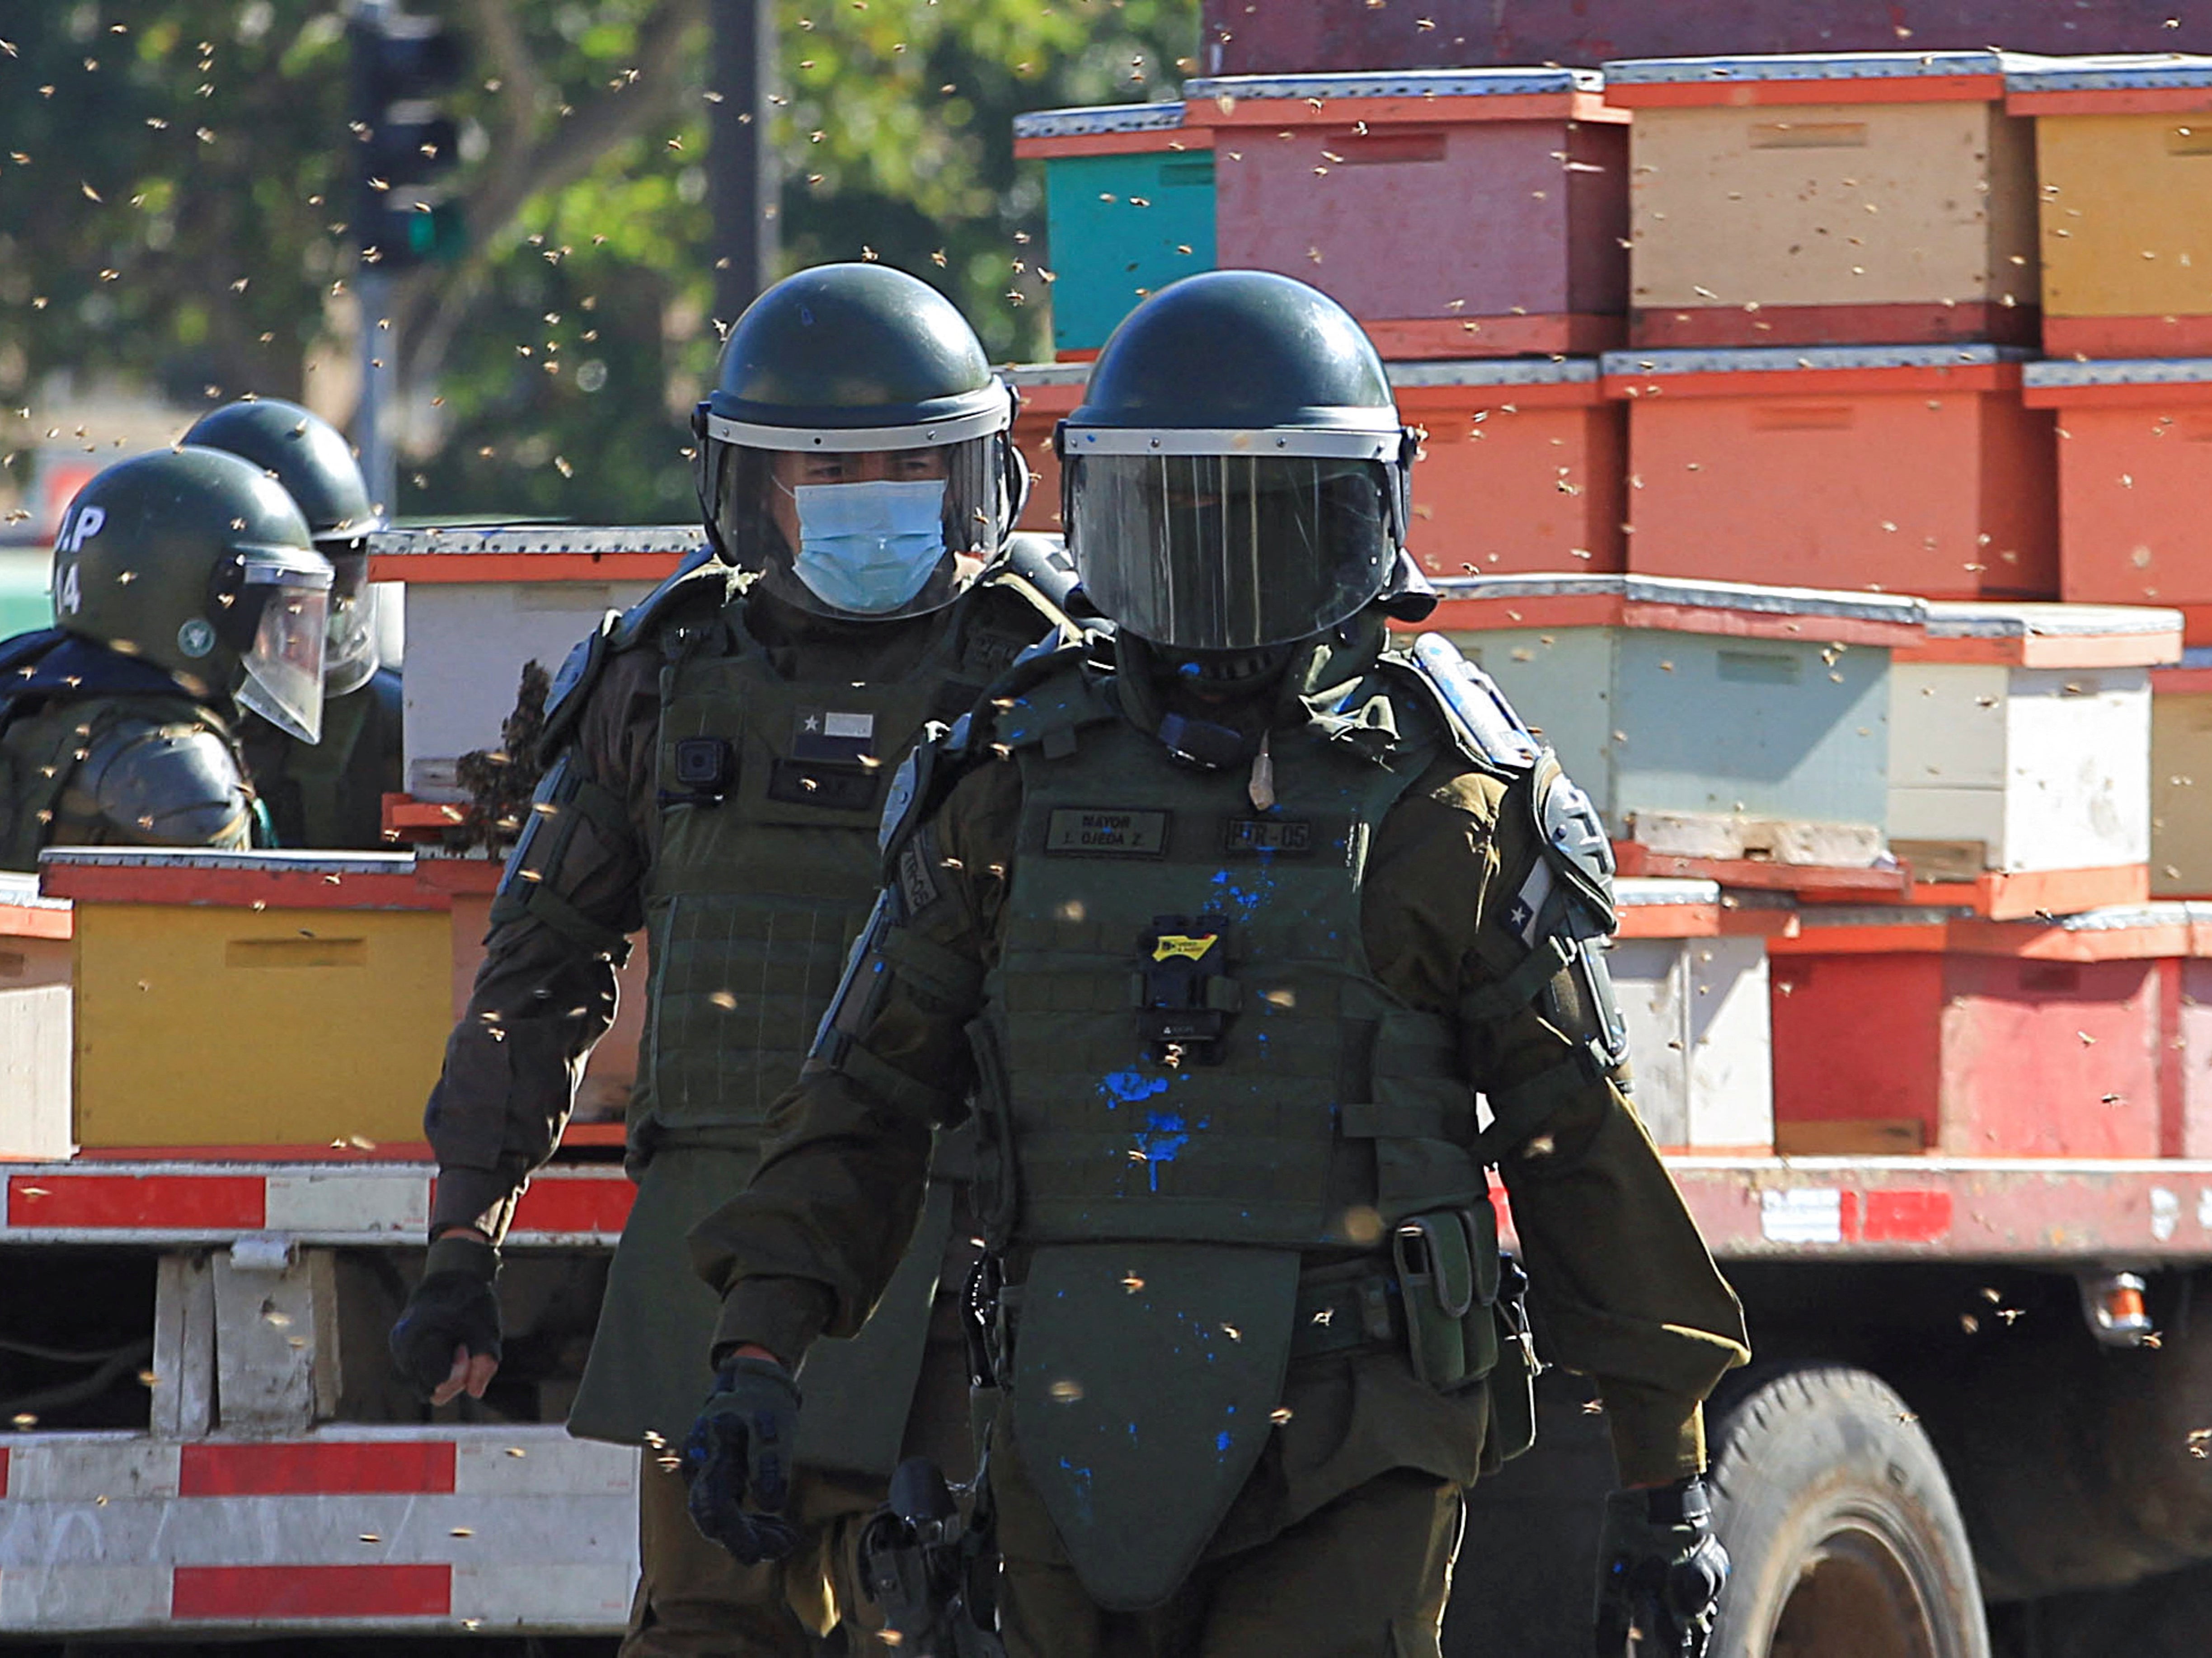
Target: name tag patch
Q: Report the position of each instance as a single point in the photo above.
(838, 788)
(1290, 837)
(833, 735)
(1107, 830)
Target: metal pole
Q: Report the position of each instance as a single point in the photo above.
(377, 408)
(741, 166)
(377, 413)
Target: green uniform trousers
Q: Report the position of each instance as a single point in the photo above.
(1365, 1577)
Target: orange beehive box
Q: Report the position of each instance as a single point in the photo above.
(1456, 212)
(1827, 199)
(1907, 469)
(1908, 1031)
(1521, 470)
(2124, 148)
(2134, 481)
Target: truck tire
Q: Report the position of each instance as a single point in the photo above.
(1845, 1538)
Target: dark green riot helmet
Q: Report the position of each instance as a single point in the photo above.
(200, 562)
(856, 447)
(1237, 478)
(312, 459)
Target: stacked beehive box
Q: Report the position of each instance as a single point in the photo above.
(1474, 221)
(2124, 151)
(483, 603)
(1919, 330)
(1129, 207)
(1721, 731)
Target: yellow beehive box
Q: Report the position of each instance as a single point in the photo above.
(2123, 152)
(253, 1000)
(1842, 198)
(2181, 779)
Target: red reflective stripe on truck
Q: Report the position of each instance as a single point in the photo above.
(213, 1202)
(254, 1592)
(339, 1467)
(4, 1472)
(573, 1206)
(1905, 1217)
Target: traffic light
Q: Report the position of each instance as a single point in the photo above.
(404, 144)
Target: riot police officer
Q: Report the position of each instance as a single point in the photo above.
(1228, 932)
(329, 794)
(718, 761)
(186, 592)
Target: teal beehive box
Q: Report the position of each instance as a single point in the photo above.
(1128, 208)
(1714, 721)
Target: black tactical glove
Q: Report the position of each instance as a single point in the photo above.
(1660, 1570)
(737, 1460)
(453, 1306)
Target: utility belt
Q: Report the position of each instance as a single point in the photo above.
(1443, 1294)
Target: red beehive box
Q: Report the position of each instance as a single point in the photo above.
(1907, 469)
(1521, 469)
(2134, 481)
(1907, 1031)
(1837, 198)
(1471, 213)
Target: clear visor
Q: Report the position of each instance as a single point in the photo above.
(351, 656)
(284, 679)
(1228, 552)
(869, 535)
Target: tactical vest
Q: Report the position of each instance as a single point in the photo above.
(771, 794)
(1193, 1044)
(1193, 1083)
(331, 793)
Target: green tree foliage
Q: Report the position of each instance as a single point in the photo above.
(175, 189)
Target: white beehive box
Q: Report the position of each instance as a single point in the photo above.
(2021, 736)
(1699, 1025)
(481, 603)
(1707, 719)
(34, 1021)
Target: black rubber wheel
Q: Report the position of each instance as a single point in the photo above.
(1845, 1540)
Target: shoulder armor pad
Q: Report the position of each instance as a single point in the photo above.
(1040, 565)
(168, 781)
(919, 785)
(1050, 690)
(1482, 721)
(572, 686)
(1574, 839)
(701, 578)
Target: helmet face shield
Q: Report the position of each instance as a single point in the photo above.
(283, 668)
(874, 534)
(1213, 551)
(351, 656)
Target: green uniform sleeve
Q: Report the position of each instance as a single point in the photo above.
(811, 1243)
(545, 992)
(1625, 1287)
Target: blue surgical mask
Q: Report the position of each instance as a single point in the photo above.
(868, 548)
